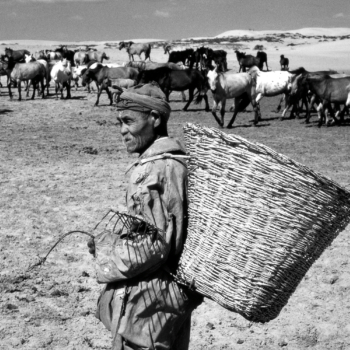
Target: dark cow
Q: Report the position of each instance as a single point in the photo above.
(284, 62)
(262, 56)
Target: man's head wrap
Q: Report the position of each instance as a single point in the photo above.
(144, 98)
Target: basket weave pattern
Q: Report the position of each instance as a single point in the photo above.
(257, 222)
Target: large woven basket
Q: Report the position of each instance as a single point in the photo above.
(257, 222)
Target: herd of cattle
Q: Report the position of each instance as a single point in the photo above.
(197, 71)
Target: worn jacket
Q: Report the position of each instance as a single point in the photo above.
(146, 308)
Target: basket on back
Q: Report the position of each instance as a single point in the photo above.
(257, 222)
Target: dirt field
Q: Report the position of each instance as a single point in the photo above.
(62, 168)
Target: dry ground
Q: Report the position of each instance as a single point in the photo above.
(62, 168)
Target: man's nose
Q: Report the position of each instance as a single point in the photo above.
(123, 129)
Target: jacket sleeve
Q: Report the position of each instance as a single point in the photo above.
(151, 195)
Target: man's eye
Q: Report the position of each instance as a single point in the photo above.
(126, 121)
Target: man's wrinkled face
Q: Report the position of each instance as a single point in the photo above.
(137, 129)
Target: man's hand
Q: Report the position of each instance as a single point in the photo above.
(91, 245)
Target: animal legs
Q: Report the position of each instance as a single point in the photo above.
(190, 98)
(320, 112)
(99, 91)
(308, 115)
(57, 85)
(68, 90)
(19, 90)
(280, 103)
(241, 102)
(213, 111)
(109, 95)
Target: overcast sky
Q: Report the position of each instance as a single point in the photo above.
(103, 20)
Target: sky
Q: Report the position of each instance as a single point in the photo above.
(114, 20)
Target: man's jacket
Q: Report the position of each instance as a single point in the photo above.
(146, 307)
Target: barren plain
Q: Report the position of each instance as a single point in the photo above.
(63, 167)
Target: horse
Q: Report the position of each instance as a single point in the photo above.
(167, 47)
(61, 74)
(68, 54)
(17, 55)
(33, 71)
(284, 62)
(136, 49)
(142, 65)
(116, 84)
(239, 86)
(53, 56)
(31, 58)
(177, 80)
(328, 88)
(218, 56)
(100, 74)
(97, 56)
(80, 58)
(271, 83)
(347, 103)
(6, 66)
(302, 92)
(184, 56)
(246, 61)
(262, 56)
(40, 55)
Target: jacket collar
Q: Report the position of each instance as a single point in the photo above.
(164, 145)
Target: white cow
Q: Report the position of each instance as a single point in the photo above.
(61, 73)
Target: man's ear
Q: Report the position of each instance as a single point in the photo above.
(157, 118)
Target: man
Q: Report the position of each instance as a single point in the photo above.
(146, 308)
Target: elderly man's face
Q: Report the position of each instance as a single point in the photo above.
(137, 129)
